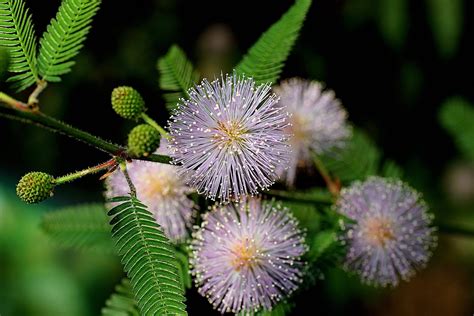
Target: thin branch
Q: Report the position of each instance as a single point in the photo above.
(300, 197)
(38, 118)
(455, 229)
(13, 103)
(33, 98)
(332, 185)
(160, 129)
(79, 174)
(133, 191)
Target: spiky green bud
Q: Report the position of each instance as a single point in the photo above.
(127, 102)
(143, 140)
(35, 187)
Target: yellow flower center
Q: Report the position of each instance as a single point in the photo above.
(160, 184)
(229, 133)
(378, 231)
(297, 129)
(245, 254)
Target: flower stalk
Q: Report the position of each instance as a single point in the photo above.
(152, 123)
(300, 197)
(333, 185)
(17, 110)
(110, 164)
(453, 229)
(33, 98)
(13, 103)
(133, 190)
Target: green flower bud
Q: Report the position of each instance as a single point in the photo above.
(143, 140)
(35, 187)
(127, 103)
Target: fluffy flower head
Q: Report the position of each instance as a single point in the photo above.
(162, 190)
(228, 137)
(246, 256)
(318, 121)
(391, 236)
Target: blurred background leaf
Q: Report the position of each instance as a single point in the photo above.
(446, 18)
(37, 277)
(457, 117)
(83, 227)
(393, 64)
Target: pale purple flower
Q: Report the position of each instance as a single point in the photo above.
(246, 256)
(228, 137)
(391, 236)
(318, 122)
(160, 188)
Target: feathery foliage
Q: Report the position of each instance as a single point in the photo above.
(148, 258)
(183, 268)
(177, 75)
(121, 302)
(18, 35)
(265, 59)
(321, 243)
(307, 214)
(4, 62)
(457, 117)
(83, 227)
(326, 251)
(359, 159)
(64, 36)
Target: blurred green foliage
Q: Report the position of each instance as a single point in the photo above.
(457, 117)
(39, 279)
(446, 18)
(395, 64)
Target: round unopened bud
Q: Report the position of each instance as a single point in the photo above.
(143, 140)
(127, 102)
(35, 187)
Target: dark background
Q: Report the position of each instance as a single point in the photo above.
(392, 63)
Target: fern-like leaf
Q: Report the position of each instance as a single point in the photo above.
(17, 34)
(177, 75)
(265, 59)
(359, 159)
(457, 117)
(122, 302)
(183, 268)
(321, 243)
(64, 36)
(82, 227)
(326, 252)
(148, 258)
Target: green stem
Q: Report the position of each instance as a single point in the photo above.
(300, 197)
(133, 191)
(79, 174)
(33, 98)
(17, 112)
(456, 230)
(160, 129)
(330, 183)
(5, 98)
